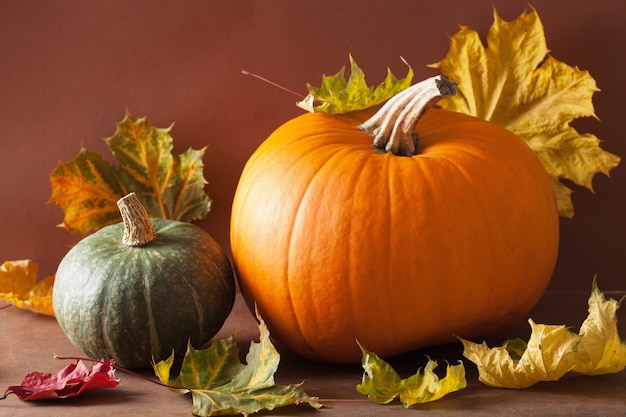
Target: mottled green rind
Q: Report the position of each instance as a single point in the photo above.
(133, 304)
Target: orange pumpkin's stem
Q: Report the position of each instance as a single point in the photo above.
(138, 230)
(393, 126)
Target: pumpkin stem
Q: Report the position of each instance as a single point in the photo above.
(393, 126)
(138, 229)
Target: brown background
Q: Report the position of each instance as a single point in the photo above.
(70, 69)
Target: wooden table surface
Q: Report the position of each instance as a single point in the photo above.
(28, 342)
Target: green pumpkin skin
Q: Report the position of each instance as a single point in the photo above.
(138, 304)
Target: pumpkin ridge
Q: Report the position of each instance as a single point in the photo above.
(457, 166)
(155, 343)
(391, 288)
(289, 147)
(297, 210)
(500, 147)
(285, 274)
(353, 260)
(196, 301)
(108, 345)
(338, 126)
(367, 146)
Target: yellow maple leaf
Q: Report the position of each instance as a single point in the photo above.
(601, 350)
(552, 351)
(516, 84)
(19, 286)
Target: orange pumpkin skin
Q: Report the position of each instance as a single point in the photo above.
(334, 240)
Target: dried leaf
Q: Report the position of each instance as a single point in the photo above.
(338, 96)
(382, 384)
(601, 350)
(19, 286)
(221, 385)
(72, 380)
(169, 186)
(514, 83)
(552, 351)
(87, 189)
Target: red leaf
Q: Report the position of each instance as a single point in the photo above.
(70, 381)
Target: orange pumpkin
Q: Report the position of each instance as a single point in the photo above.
(334, 239)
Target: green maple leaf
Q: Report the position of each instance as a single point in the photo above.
(338, 96)
(513, 82)
(221, 385)
(382, 384)
(169, 186)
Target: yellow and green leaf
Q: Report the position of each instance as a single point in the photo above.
(220, 384)
(382, 384)
(19, 286)
(336, 95)
(169, 186)
(552, 351)
(513, 82)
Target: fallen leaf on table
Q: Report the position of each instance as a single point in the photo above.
(72, 380)
(19, 286)
(382, 384)
(221, 385)
(601, 350)
(552, 351)
(169, 186)
(338, 96)
(516, 84)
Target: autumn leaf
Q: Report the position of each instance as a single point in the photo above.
(169, 186)
(72, 380)
(221, 385)
(338, 96)
(547, 357)
(87, 189)
(601, 350)
(382, 384)
(516, 84)
(552, 351)
(19, 286)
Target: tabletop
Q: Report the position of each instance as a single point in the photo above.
(29, 342)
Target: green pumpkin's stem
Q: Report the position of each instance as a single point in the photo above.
(138, 229)
(393, 126)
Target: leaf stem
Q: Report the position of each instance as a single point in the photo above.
(244, 72)
(119, 368)
(343, 400)
(393, 126)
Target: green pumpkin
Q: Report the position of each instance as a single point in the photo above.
(138, 303)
